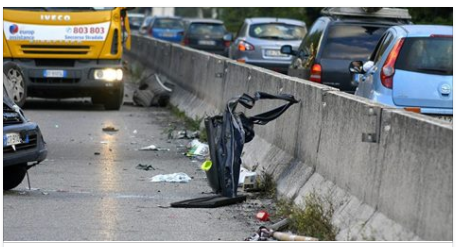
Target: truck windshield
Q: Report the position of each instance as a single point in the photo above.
(71, 9)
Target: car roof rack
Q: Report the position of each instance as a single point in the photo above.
(370, 12)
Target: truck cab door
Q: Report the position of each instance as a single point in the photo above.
(126, 30)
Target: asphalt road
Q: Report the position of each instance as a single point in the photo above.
(78, 195)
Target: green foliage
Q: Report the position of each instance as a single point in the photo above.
(234, 16)
(314, 219)
(436, 16)
(265, 182)
(190, 124)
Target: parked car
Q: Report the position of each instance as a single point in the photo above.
(145, 25)
(412, 66)
(23, 143)
(259, 40)
(340, 36)
(167, 28)
(135, 20)
(208, 35)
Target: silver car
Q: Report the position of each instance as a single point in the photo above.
(259, 40)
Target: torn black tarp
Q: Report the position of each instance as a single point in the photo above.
(227, 135)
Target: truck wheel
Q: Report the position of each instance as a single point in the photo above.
(18, 88)
(114, 99)
(13, 176)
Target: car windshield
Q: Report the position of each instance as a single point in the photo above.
(277, 31)
(135, 19)
(147, 21)
(71, 9)
(168, 23)
(352, 42)
(207, 29)
(432, 55)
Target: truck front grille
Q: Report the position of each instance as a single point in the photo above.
(55, 49)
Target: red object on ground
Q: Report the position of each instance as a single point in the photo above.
(263, 215)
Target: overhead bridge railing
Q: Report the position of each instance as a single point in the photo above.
(392, 169)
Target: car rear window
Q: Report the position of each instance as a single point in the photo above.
(430, 55)
(353, 42)
(277, 31)
(168, 23)
(207, 28)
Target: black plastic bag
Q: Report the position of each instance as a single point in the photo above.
(227, 135)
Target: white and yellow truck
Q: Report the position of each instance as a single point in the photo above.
(66, 52)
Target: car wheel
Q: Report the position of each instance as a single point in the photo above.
(13, 176)
(114, 99)
(17, 88)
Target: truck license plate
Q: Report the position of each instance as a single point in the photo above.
(54, 73)
(11, 139)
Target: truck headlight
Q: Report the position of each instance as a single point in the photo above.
(108, 74)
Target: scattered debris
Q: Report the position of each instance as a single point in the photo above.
(134, 132)
(263, 215)
(153, 148)
(198, 150)
(206, 165)
(266, 234)
(110, 129)
(145, 167)
(280, 225)
(96, 153)
(152, 92)
(247, 178)
(149, 148)
(104, 142)
(183, 134)
(283, 236)
(171, 178)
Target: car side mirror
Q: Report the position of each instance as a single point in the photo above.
(228, 37)
(356, 67)
(287, 49)
(368, 67)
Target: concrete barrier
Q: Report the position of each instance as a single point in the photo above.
(388, 172)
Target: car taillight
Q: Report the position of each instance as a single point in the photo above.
(186, 41)
(150, 31)
(316, 73)
(227, 43)
(245, 46)
(388, 69)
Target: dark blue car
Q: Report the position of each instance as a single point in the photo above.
(167, 28)
(23, 143)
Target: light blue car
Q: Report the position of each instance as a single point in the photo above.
(411, 67)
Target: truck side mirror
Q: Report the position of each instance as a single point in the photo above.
(356, 67)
